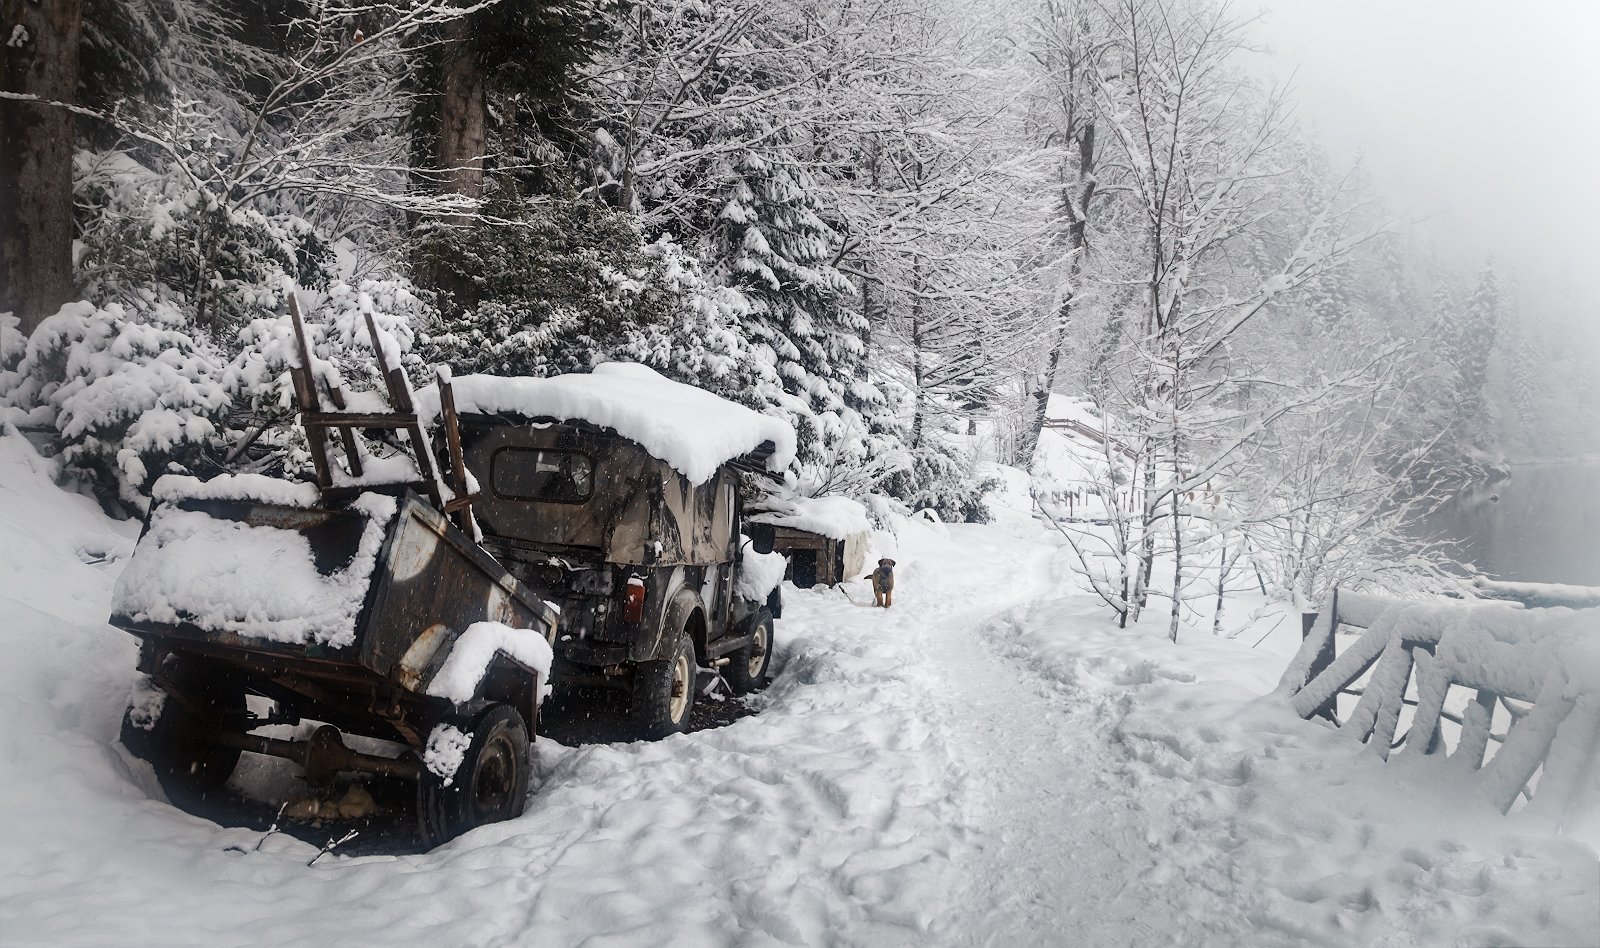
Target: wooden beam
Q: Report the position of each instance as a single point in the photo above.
(306, 393)
(329, 419)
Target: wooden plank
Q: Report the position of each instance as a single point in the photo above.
(394, 379)
(461, 502)
(352, 449)
(328, 419)
(306, 392)
(458, 469)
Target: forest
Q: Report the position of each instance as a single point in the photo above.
(899, 224)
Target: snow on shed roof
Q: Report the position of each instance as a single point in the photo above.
(687, 427)
(835, 517)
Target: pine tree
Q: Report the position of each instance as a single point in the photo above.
(1468, 341)
(1524, 382)
(770, 242)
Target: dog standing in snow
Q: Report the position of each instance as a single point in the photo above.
(883, 583)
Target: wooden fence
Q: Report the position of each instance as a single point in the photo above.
(1542, 665)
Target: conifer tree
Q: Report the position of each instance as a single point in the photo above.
(1469, 340)
(770, 242)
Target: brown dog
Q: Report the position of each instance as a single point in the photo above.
(883, 583)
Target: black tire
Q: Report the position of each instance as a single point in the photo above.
(178, 743)
(747, 667)
(490, 785)
(663, 692)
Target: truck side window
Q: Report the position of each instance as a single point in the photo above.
(549, 477)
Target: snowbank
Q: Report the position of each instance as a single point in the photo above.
(258, 581)
(474, 652)
(933, 775)
(689, 428)
(1312, 840)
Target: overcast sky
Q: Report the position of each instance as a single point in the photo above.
(1487, 115)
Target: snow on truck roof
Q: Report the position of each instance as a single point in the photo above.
(689, 428)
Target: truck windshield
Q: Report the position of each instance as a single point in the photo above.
(550, 477)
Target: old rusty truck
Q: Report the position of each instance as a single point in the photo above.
(419, 608)
(617, 497)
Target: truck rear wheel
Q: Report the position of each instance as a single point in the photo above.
(663, 692)
(747, 667)
(176, 741)
(489, 785)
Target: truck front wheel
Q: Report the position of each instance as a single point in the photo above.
(663, 692)
(747, 667)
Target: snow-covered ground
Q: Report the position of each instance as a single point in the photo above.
(990, 762)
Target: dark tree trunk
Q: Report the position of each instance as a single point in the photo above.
(463, 139)
(40, 58)
(462, 136)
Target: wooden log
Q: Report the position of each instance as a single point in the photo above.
(1529, 743)
(1328, 710)
(1378, 711)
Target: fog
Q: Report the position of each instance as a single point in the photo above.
(1480, 118)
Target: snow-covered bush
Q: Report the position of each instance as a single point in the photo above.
(151, 237)
(129, 391)
(939, 478)
(336, 331)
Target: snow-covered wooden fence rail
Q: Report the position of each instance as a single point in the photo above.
(1541, 665)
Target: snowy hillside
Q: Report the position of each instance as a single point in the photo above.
(991, 762)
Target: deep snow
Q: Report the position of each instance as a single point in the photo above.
(990, 762)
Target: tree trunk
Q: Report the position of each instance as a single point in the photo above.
(1177, 567)
(462, 122)
(1147, 535)
(917, 368)
(1223, 569)
(463, 139)
(36, 142)
(1077, 207)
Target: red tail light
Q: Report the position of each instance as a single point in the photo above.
(633, 600)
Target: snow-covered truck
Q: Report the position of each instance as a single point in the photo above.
(374, 602)
(616, 496)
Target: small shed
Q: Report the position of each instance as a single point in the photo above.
(825, 539)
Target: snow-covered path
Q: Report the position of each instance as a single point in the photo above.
(987, 763)
(1058, 845)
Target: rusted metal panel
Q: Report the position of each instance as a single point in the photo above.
(435, 575)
